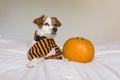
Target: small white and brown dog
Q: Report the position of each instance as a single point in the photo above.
(44, 43)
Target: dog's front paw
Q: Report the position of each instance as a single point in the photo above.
(65, 59)
(32, 63)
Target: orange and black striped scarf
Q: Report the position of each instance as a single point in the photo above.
(42, 47)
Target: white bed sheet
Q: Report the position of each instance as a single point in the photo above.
(13, 59)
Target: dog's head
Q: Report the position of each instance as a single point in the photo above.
(47, 26)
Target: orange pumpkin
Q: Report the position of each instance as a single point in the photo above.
(78, 49)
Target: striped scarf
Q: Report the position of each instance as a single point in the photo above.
(42, 47)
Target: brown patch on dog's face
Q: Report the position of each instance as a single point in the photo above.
(55, 22)
(40, 21)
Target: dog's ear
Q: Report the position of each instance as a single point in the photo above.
(39, 21)
(56, 22)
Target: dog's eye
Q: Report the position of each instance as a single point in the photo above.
(47, 24)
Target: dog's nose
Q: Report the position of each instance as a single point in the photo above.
(55, 29)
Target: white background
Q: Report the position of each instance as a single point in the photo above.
(96, 20)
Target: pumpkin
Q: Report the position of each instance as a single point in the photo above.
(78, 49)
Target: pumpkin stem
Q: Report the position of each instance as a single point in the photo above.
(82, 38)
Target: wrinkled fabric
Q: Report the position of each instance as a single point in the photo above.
(13, 60)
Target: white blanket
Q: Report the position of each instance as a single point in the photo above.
(13, 60)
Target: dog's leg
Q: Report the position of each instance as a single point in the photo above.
(34, 62)
(65, 59)
(55, 56)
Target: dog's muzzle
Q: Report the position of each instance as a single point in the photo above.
(54, 30)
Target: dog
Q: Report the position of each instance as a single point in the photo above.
(43, 41)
